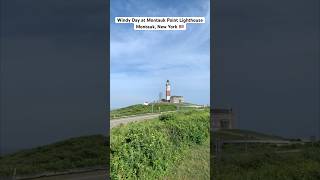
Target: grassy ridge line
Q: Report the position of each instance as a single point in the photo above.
(75, 153)
(139, 109)
(265, 163)
(238, 134)
(150, 149)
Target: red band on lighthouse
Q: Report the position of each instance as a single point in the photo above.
(168, 90)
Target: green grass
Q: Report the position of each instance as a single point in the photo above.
(139, 109)
(194, 165)
(148, 150)
(266, 161)
(81, 152)
(238, 134)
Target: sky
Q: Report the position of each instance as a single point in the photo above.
(267, 65)
(142, 61)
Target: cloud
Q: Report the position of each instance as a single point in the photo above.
(142, 60)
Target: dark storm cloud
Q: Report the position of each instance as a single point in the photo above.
(53, 58)
(267, 64)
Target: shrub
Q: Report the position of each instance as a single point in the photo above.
(149, 149)
(166, 117)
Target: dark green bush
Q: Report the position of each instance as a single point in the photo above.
(166, 117)
(189, 112)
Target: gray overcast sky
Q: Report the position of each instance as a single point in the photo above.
(268, 64)
(53, 57)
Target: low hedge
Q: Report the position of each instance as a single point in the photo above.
(166, 117)
(149, 149)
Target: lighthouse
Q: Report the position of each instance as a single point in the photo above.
(168, 91)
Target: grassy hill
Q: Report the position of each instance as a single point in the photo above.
(150, 147)
(139, 109)
(149, 150)
(265, 161)
(81, 152)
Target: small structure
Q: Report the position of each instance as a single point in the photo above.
(146, 103)
(222, 118)
(168, 98)
(176, 99)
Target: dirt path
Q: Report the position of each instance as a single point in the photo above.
(126, 120)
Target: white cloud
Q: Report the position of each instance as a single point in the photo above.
(142, 60)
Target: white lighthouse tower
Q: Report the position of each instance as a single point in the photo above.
(168, 91)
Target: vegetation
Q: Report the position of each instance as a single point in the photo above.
(91, 151)
(81, 152)
(194, 165)
(266, 161)
(142, 109)
(167, 117)
(148, 150)
(238, 134)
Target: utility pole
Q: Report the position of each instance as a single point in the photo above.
(160, 96)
